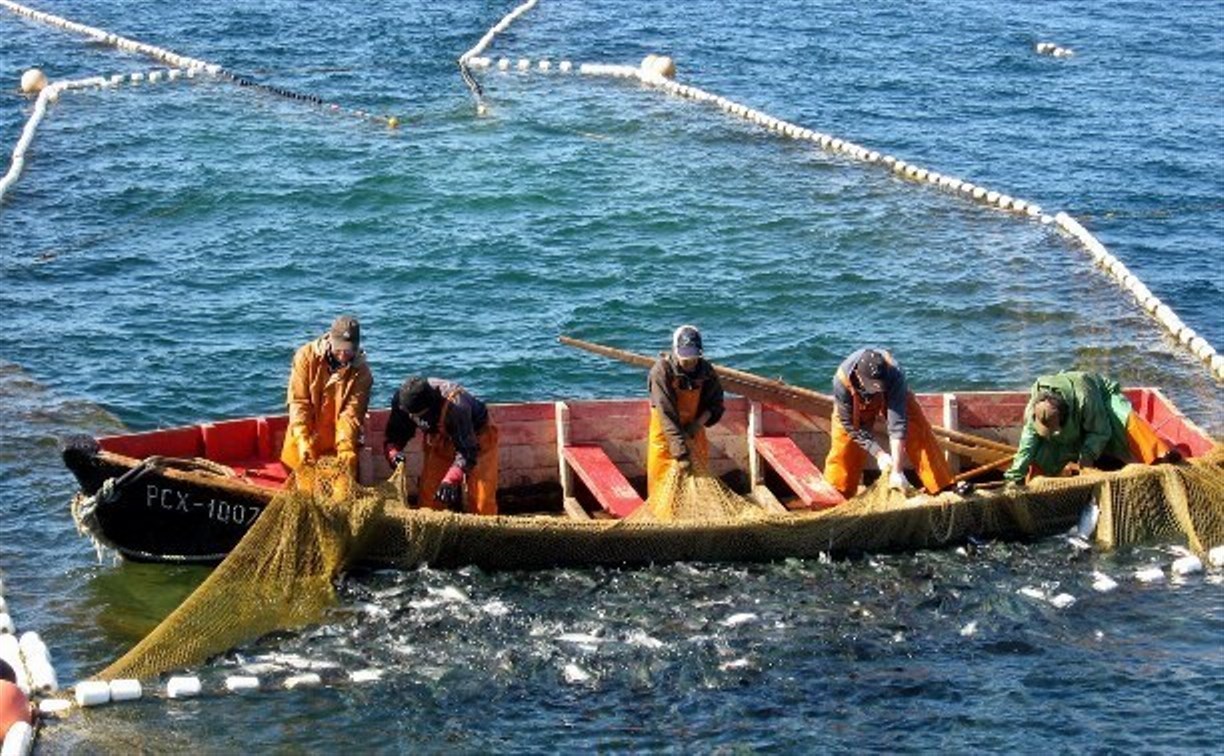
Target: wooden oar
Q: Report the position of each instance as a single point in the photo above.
(996, 465)
(805, 400)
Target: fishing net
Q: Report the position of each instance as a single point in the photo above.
(695, 494)
(278, 577)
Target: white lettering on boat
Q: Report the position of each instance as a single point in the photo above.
(220, 510)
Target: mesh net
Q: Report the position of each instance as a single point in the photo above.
(696, 494)
(280, 576)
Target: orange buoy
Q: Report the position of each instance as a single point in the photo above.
(14, 707)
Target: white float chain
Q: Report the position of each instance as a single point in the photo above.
(1186, 336)
(123, 43)
(51, 93)
(496, 29)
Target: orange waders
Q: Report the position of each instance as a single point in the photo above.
(1141, 439)
(480, 495)
(844, 465)
(658, 454)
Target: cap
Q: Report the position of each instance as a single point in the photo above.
(1047, 420)
(686, 341)
(415, 395)
(869, 370)
(345, 333)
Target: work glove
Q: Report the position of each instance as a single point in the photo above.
(898, 482)
(395, 457)
(1071, 469)
(450, 490)
(306, 451)
(885, 462)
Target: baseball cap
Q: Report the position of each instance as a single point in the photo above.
(686, 341)
(345, 333)
(870, 372)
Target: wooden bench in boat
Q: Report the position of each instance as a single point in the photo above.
(607, 484)
(603, 479)
(798, 472)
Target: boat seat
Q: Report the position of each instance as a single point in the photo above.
(798, 472)
(605, 482)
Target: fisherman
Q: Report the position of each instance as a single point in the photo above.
(329, 392)
(686, 397)
(867, 383)
(1075, 420)
(460, 443)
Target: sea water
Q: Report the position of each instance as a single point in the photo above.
(170, 244)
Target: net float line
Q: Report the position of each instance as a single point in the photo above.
(190, 64)
(480, 46)
(657, 72)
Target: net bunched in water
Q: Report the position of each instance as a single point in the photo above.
(280, 576)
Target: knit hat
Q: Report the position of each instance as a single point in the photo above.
(416, 396)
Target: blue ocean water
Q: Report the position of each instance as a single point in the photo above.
(169, 245)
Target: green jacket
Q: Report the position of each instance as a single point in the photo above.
(1095, 425)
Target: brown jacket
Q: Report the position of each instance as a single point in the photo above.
(326, 410)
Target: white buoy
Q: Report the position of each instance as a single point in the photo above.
(6, 624)
(566, 66)
(53, 707)
(18, 740)
(182, 687)
(10, 653)
(503, 64)
(524, 64)
(1187, 565)
(125, 690)
(92, 693)
(241, 683)
(33, 81)
(38, 663)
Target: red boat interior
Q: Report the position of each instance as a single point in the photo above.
(251, 446)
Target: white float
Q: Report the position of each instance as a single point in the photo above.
(92, 693)
(182, 687)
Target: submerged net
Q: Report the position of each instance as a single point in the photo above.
(278, 577)
(694, 495)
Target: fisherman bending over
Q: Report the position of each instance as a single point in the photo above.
(460, 442)
(1073, 420)
(686, 397)
(867, 383)
(329, 392)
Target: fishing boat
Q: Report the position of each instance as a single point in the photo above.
(570, 474)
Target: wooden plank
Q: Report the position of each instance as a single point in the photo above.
(603, 478)
(768, 501)
(573, 509)
(793, 466)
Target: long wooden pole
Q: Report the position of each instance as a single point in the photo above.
(760, 389)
